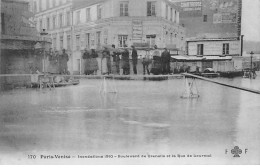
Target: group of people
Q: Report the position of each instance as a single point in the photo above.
(112, 57)
(58, 62)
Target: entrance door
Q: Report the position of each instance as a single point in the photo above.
(207, 64)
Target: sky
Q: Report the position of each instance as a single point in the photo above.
(251, 20)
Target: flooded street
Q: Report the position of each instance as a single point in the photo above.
(143, 118)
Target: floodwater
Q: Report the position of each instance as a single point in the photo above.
(143, 118)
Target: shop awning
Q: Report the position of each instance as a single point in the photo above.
(204, 58)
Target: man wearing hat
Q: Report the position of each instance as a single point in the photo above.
(166, 58)
(134, 59)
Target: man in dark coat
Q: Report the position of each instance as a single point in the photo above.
(134, 59)
(64, 58)
(125, 61)
(106, 54)
(166, 58)
(116, 60)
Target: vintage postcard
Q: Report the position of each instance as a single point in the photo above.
(130, 82)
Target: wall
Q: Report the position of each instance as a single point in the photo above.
(223, 19)
(214, 47)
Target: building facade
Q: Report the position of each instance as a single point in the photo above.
(105, 22)
(213, 28)
(18, 41)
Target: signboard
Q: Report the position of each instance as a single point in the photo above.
(137, 30)
(224, 18)
(191, 6)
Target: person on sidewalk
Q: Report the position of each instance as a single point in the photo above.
(106, 55)
(125, 61)
(166, 58)
(116, 60)
(134, 59)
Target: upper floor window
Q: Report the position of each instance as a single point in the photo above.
(68, 18)
(40, 25)
(53, 3)
(166, 12)
(124, 8)
(47, 4)
(200, 49)
(34, 7)
(205, 18)
(151, 8)
(99, 12)
(60, 21)
(48, 23)
(78, 17)
(225, 48)
(171, 14)
(40, 5)
(88, 16)
(54, 22)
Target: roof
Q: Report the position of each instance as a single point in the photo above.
(204, 58)
(77, 4)
(213, 39)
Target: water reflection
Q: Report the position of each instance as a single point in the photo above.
(143, 117)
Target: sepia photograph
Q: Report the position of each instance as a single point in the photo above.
(130, 82)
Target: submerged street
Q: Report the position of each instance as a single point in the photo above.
(144, 117)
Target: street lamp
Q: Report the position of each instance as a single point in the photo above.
(251, 65)
(44, 33)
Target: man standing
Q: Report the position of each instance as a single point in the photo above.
(134, 59)
(166, 58)
(106, 54)
(125, 61)
(64, 58)
(116, 60)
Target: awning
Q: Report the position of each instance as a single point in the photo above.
(204, 58)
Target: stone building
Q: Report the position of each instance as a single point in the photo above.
(55, 16)
(213, 28)
(18, 40)
(133, 22)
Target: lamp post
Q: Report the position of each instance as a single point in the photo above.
(251, 63)
(44, 33)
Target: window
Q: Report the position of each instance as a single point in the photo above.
(54, 22)
(175, 17)
(171, 14)
(47, 4)
(88, 40)
(3, 22)
(60, 2)
(54, 43)
(77, 42)
(61, 17)
(40, 25)
(225, 48)
(68, 18)
(150, 39)
(53, 3)
(123, 8)
(122, 40)
(68, 42)
(78, 17)
(98, 38)
(48, 23)
(166, 12)
(99, 12)
(34, 7)
(40, 5)
(61, 42)
(88, 16)
(151, 8)
(200, 48)
(205, 18)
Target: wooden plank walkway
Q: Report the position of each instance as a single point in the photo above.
(223, 84)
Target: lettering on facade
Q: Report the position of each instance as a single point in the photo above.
(137, 30)
(191, 6)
